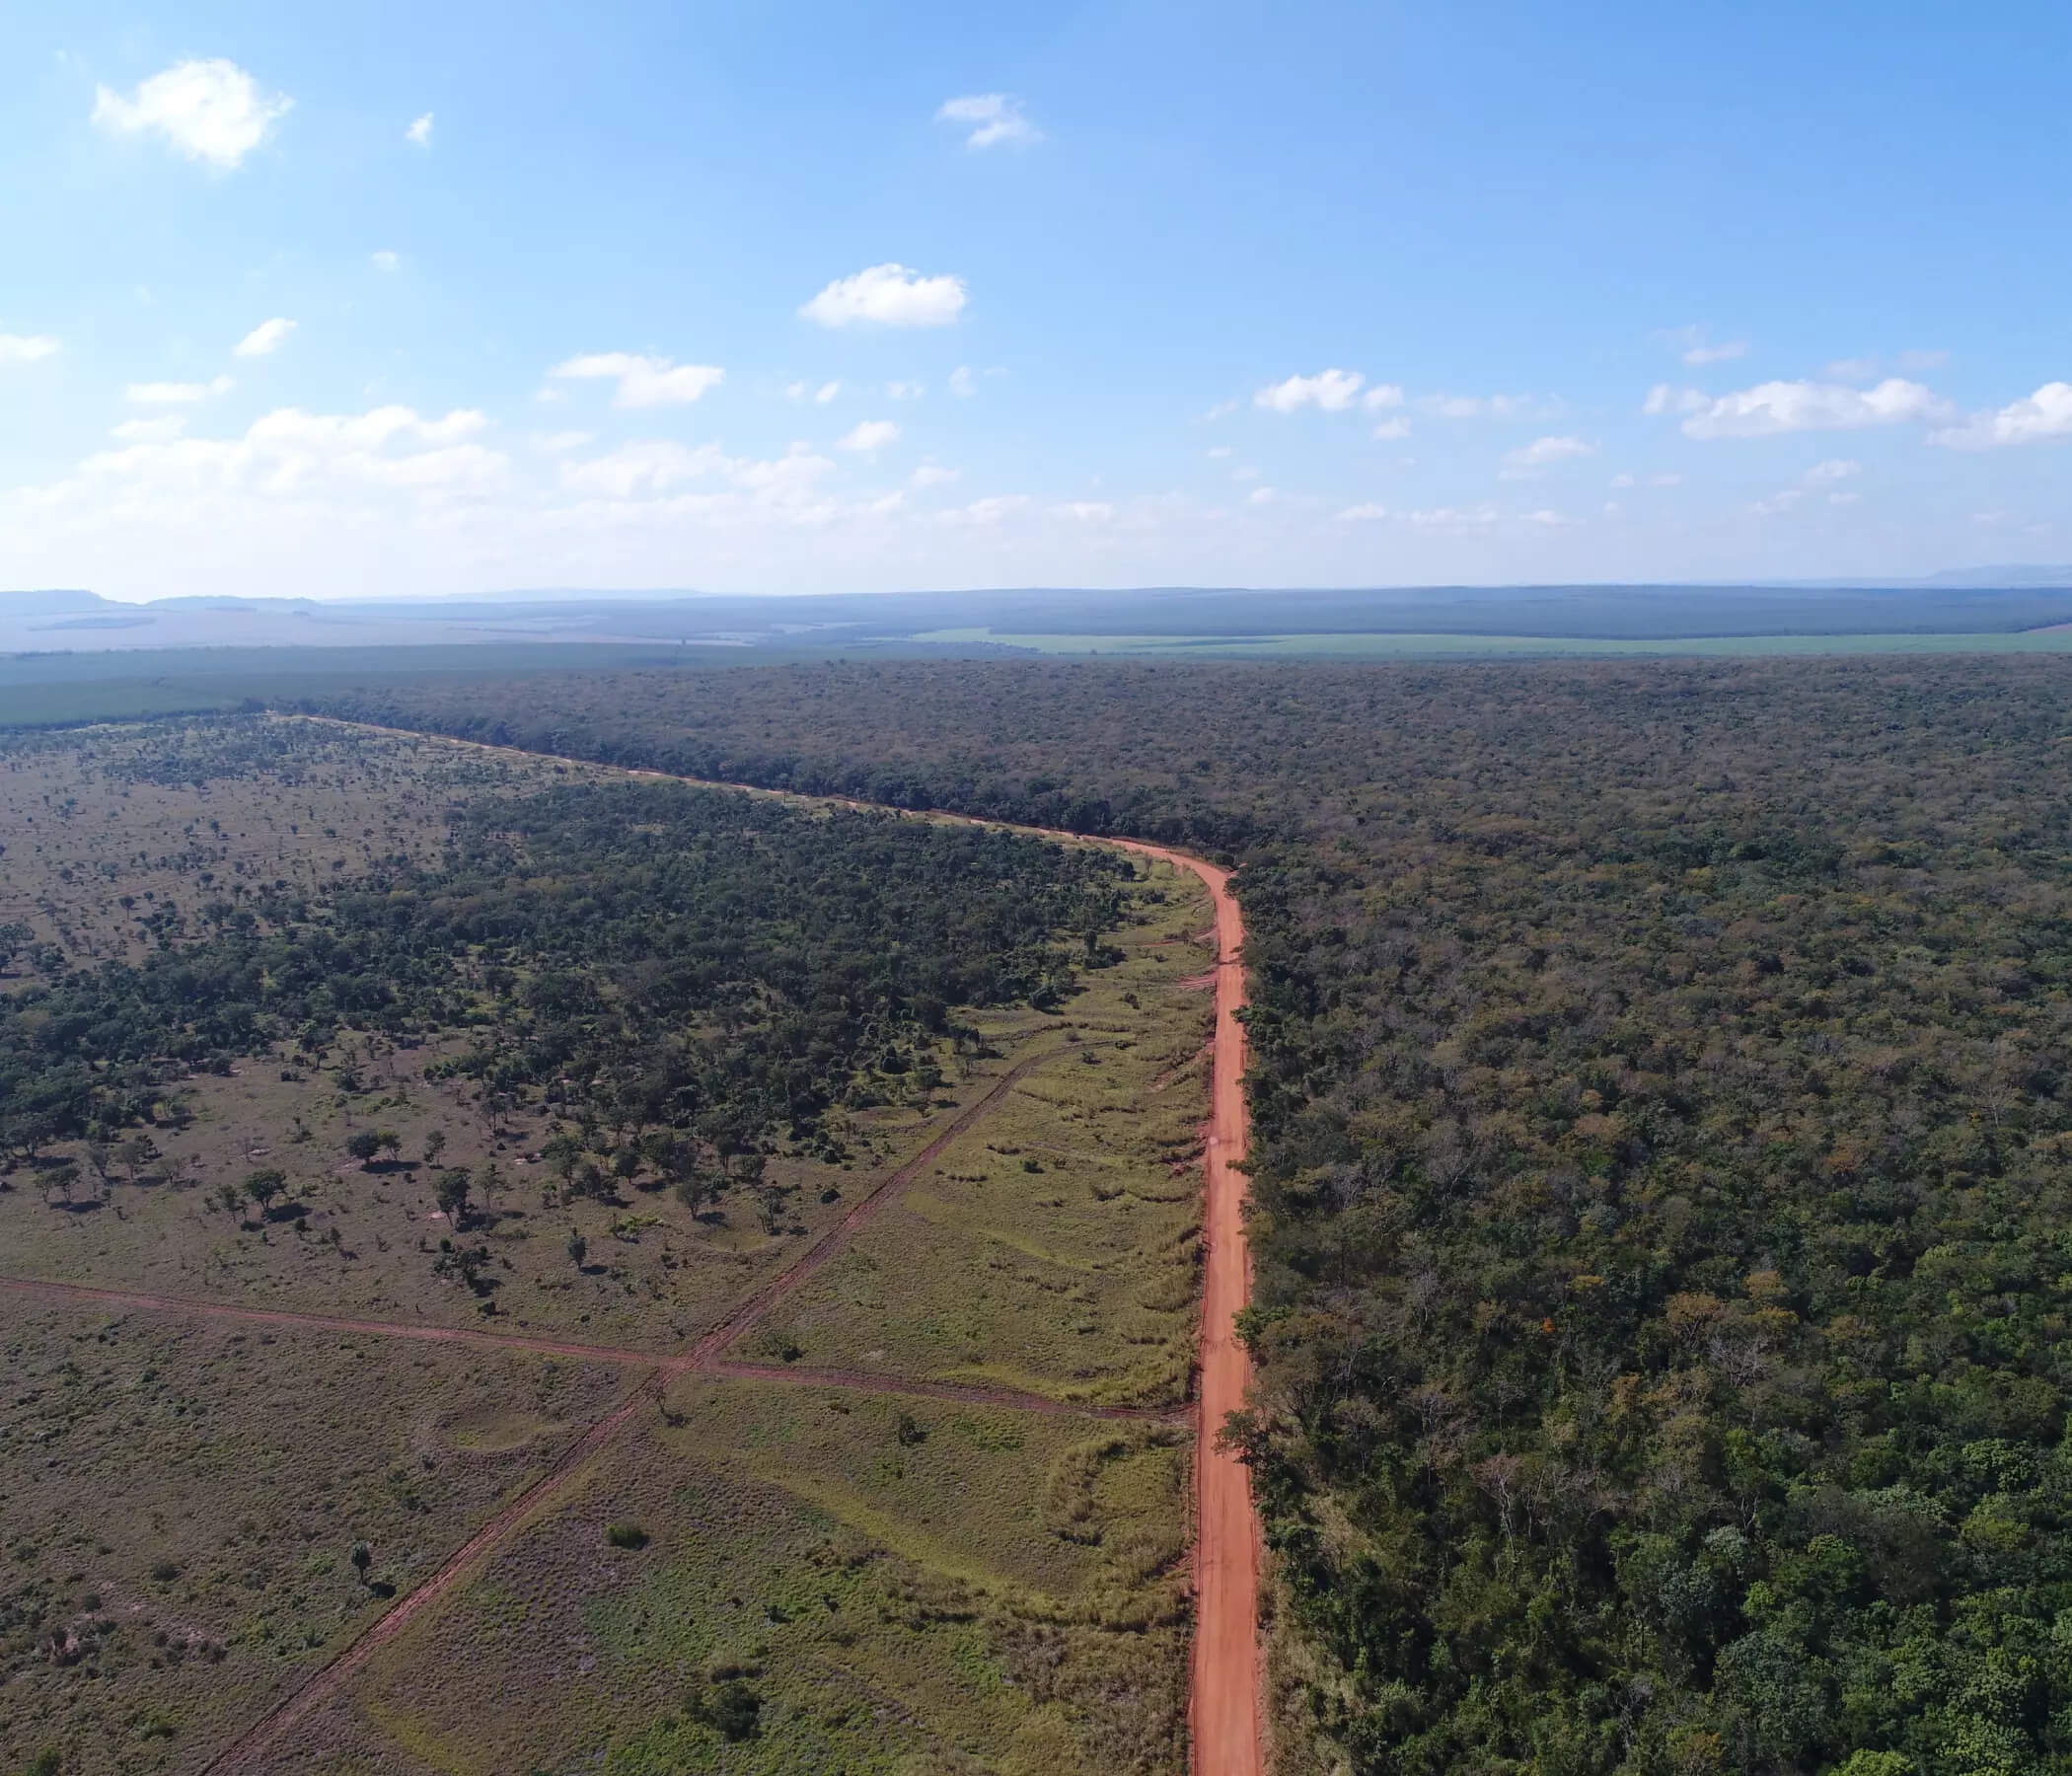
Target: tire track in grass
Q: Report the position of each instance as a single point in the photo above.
(249, 1750)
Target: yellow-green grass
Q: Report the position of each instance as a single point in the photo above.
(179, 1500)
(1053, 1247)
(906, 1587)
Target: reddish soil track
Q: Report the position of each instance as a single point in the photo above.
(83, 1295)
(865, 1381)
(708, 1348)
(251, 1750)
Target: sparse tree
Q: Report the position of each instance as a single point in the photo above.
(434, 1145)
(362, 1144)
(454, 1187)
(578, 1249)
(265, 1185)
(362, 1560)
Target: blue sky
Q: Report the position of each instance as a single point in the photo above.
(406, 300)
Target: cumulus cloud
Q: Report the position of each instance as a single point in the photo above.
(995, 118)
(931, 474)
(1489, 406)
(888, 295)
(26, 349)
(1454, 518)
(174, 394)
(385, 261)
(1834, 468)
(1382, 395)
(805, 391)
(151, 432)
(868, 434)
(1332, 391)
(1694, 346)
(1366, 512)
(1530, 459)
(1392, 429)
(962, 383)
(1774, 408)
(646, 466)
(1662, 399)
(1086, 511)
(420, 133)
(208, 111)
(905, 390)
(995, 509)
(2034, 420)
(1261, 496)
(263, 339)
(643, 382)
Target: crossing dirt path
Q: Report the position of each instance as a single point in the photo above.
(1225, 1713)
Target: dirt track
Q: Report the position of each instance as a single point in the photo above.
(1225, 1712)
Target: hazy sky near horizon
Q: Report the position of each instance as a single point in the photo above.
(396, 299)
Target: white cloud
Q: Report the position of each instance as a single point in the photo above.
(1216, 453)
(1457, 517)
(646, 466)
(990, 511)
(962, 383)
(930, 474)
(888, 295)
(1261, 496)
(1782, 501)
(1392, 429)
(420, 132)
(1774, 408)
(209, 110)
(1621, 480)
(1662, 398)
(1549, 518)
(2045, 415)
(1330, 389)
(1717, 354)
(1842, 500)
(1853, 370)
(562, 440)
(1086, 511)
(151, 432)
(1489, 406)
(385, 261)
(1834, 468)
(173, 394)
(868, 434)
(1665, 481)
(1364, 512)
(805, 391)
(1223, 410)
(905, 390)
(643, 382)
(1382, 395)
(1541, 452)
(264, 338)
(26, 349)
(995, 119)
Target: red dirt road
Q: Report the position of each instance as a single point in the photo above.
(1226, 1710)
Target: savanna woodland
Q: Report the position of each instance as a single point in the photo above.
(1661, 1116)
(1661, 1121)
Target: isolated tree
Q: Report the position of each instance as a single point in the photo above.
(134, 1155)
(434, 1145)
(265, 1185)
(362, 1144)
(489, 1181)
(578, 1249)
(452, 1193)
(60, 1176)
(231, 1197)
(387, 1141)
(362, 1560)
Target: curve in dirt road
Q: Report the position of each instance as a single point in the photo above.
(1226, 1713)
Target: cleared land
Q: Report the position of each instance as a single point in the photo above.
(722, 1570)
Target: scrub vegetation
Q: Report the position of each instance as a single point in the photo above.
(417, 1116)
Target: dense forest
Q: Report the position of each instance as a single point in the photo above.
(711, 971)
(1662, 1111)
